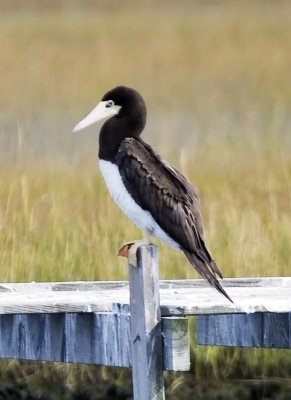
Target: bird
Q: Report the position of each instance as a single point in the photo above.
(155, 196)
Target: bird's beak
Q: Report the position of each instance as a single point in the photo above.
(99, 113)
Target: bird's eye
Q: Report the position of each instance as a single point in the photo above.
(109, 103)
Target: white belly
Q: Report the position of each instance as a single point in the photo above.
(141, 218)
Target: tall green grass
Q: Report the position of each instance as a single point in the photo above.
(215, 76)
(59, 223)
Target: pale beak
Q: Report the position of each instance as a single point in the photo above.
(99, 113)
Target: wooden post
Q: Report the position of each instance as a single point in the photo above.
(146, 336)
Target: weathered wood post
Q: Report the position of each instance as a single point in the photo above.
(146, 336)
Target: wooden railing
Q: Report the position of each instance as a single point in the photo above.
(142, 323)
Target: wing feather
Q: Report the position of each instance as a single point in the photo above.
(163, 191)
(171, 199)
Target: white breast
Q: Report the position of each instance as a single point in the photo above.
(141, 218)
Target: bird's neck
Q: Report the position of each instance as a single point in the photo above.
(113, 132)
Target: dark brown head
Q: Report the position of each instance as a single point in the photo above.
(123, 104)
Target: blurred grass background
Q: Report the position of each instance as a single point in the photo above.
(216, 79)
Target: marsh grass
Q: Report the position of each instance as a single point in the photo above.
(58, 222)
(216, 78)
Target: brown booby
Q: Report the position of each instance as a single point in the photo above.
(156, 197)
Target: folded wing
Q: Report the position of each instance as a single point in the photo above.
(171, 200)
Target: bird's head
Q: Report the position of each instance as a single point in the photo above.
(120, 102)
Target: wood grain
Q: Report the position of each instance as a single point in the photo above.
(178, 298)
(146, 332)
(176, 343)
(89, 338)
(245, 330)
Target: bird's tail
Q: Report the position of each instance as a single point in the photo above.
(207, 270)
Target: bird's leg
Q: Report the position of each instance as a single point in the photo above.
(129, 249)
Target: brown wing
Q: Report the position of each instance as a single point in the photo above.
(165, 193)
(171, 199)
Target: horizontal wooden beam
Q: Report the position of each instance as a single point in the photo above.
(245, 330)
(90, 338)
(177, 298)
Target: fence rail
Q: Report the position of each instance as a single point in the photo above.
(142, 323)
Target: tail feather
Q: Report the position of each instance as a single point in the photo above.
(204, 255)
(208, 270)
(206, 258)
